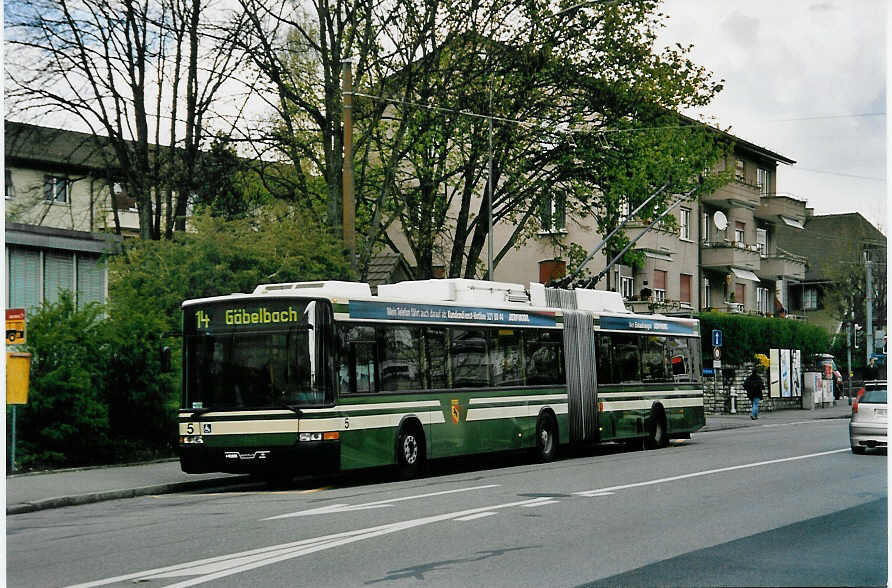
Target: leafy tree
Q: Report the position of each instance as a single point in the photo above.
(135, 74)
(66, 420)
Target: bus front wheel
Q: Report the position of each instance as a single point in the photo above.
(546, 438)
(409, 451)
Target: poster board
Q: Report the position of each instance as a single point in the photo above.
(796, 372)
(774, 372)
(785, 380)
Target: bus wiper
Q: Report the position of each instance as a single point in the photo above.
(291, 407)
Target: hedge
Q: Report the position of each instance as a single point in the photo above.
(744, 336)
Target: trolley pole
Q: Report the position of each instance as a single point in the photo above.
(349, 219)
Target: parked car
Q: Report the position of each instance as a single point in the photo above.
(869, 421)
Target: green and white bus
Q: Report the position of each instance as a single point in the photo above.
(325, 376)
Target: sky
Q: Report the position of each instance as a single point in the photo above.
(805, 79)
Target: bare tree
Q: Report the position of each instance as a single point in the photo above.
(119, 67)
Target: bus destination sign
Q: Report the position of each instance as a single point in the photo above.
(263, 315)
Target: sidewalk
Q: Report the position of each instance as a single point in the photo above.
(43, 490)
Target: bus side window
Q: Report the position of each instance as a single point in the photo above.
(401, 358)
(605, 360)
(679, 359)
(356, 372)
(544, 357)
(436, 357)
(654, 359)
(506, 357)
(470, 360)
(626, 358)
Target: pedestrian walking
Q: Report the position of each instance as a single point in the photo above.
(754, 387)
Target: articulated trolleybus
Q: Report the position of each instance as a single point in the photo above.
(321, 376)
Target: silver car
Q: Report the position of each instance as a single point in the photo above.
(868, 425)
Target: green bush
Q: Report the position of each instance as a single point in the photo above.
(744, 336)
(66, 420)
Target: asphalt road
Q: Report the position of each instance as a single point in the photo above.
(785, 505)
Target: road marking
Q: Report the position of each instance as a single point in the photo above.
(601, 491)
(479, 515)
(333, 508)
(214, 568)
(541, 502)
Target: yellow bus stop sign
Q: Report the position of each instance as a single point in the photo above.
(15, 326)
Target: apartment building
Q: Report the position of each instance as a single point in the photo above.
(57, 229)
(839, 244)
(724, 255)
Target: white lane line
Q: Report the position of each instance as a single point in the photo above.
(541, 502)
(214, 568)
(479, 515)
(333, 508)
(601, 491)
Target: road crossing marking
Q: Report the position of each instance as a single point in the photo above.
(333, 508)
(601, 491)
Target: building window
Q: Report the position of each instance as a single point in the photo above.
(626, 286)
(740, 232)
(763, 180)
(10, 188)
(762, 242)
(659, 285)
(810, 299)
(552, 213)
(685, 224)
(705, 230)
(762, 300)
(684, 288)
(707, 293)
(56, 189)
(739, 171)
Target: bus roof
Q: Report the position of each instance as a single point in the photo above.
(448, 300)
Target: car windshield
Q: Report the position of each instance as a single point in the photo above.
(252, 356)
(876, 396)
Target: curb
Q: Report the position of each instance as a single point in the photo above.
(93, 497)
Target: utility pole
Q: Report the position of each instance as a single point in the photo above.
(349, 220)
(868, 326)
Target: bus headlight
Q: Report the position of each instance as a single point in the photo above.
(191, 440)
(310, 437)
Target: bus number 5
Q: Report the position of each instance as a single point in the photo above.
(346, 423)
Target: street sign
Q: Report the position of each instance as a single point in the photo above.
(717, 353)
(716, 338)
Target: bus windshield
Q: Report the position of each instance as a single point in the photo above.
(255, 355)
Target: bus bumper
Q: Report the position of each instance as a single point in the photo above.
(303, 458)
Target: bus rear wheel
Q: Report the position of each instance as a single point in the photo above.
(546, 438)
(409, 451)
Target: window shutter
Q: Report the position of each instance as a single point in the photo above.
(684, 283)
(58, 274)
(659, 279)
(90, 280)
(24, 278)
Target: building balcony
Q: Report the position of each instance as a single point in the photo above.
(783, 209)
(783, 265)
(734, 194)
(730, 254)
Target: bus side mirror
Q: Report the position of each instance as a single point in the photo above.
(165, 359)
